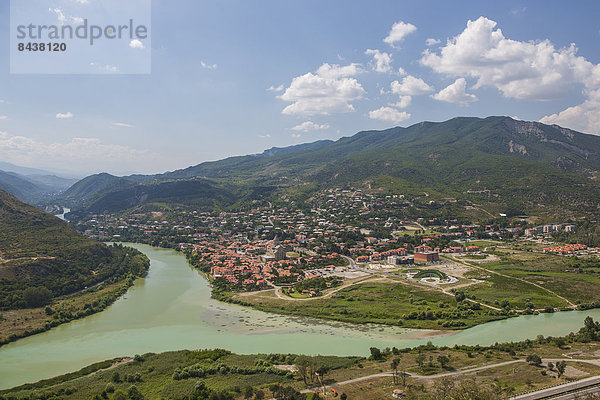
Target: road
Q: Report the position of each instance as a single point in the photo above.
(540, 394)
(560, 392)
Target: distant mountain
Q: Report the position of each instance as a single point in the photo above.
(21, 187)
(39, 250)
(30, 184)
(497, 161)
(87, 190)
(8, 167)
(197, 192)
(235, 166)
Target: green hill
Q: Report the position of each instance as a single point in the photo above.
(88, 189)
(497, 161)
(42, 252)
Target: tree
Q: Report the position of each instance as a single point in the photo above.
(376, 354)
(560, 342)
(116, 378)
(37, 296)
(560, 368)
(200, 391)
(303, 367)
(259, 395)
(134, 393)
(403, 375)
(534, 359)
(343, 396)
(274, 388)
(420, 360)
(443, 387)
(394, 366)
(248, 393)
(321, 372)
(444, 360)
(120, 395)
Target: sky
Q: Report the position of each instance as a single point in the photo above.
(238, 77)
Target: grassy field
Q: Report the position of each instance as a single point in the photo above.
(383, 302)
(553, 272)
(223, 375)
(497, 288)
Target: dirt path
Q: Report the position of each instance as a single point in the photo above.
(514, 277)
(454, 373)
(123, 361)
(328, 294)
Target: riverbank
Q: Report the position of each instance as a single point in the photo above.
(22, 323)
(425, 372)
(376, 301)
(172, 309)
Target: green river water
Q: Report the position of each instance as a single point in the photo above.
(171, 309)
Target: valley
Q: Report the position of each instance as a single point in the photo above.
(384, 240)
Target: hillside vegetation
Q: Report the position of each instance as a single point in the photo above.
(42, 257)
(507, 165)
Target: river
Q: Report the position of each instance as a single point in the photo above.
(171, 309)
(65, 212)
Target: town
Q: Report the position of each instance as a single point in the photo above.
(346, 233)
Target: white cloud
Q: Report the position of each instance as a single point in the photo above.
(389, 114)
(208, 66)
(403, 102)
(64, 115)
(77, 20)
(104, 68)
(401, 71)
(329, 90)
(399, 31)
(265, 136)
(76, 154)
(522, 70)
(123, 125)
(3, 117)
(381, 61)
(82, 1)
(136, 44)
(335, 71)
(455, 93)
(584, 117)
(275, 88)
(296, 135)
(310, 126)
(432, 42)
(410, 86)
(59, 14)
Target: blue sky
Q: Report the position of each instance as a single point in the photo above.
(237, 77)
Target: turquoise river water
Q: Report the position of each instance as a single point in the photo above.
(171, 309)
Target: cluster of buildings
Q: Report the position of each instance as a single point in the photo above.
(566, 249)
(239, 246)
(548, 229)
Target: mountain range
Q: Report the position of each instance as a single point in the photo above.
(30, 184)
(503, 163)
